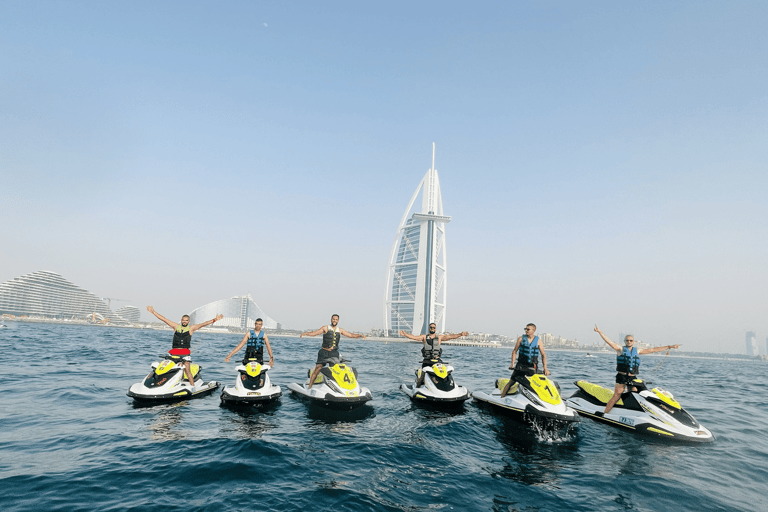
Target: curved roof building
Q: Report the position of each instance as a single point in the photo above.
(417, 281)
(239, 313)
(48, 295)
(129, 313)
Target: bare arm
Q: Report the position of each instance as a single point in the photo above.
(321, 330)
(657, 349)
(514, 352)
(160, 317)
(543, 357)
(613, 345)
(411, 336)
(350, 335)
(269, 349)
(237, 348)
(201, 325)
(446, 337)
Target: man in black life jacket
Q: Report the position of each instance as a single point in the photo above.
(529, 347)
(182, 338)
(627, 364)
(431, 349)
(329, 352)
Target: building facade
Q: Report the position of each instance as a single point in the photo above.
(130, 314)
(751, 344)
(240, 313)
(45, 294)
(417, 276)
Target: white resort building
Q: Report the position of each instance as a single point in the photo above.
(240, 313)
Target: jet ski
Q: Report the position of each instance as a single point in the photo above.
(167, 382)
(655, 412)
(438, 387)
(252, 387)
(531, 399)
(335, 387)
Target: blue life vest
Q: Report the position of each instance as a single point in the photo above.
(528, 352)
(255, 346)
(628, 361)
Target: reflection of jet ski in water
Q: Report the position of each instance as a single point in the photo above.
(654, 412)
(252, 387)
(167, 383)
(335, 387)
(533, 398)
(436, 385)
(590, 355)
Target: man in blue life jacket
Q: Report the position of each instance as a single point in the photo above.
(256, 340)
(627, 364)
(182, 338)
(431, 349)
(329, 352)
(527, 350)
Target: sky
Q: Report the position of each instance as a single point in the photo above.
(602, 162)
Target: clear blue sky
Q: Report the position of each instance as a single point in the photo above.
(603, 162)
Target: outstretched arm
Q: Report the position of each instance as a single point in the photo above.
(446, 337)
(350, 335)
(321, 330)
(160, 317)
(411, 336)
(657, 349)
(237, 348)
(613, 345)
(204, 324)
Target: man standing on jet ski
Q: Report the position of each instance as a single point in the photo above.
(431, 349)
(329, 352)
(182, 338)
(257, 340)
(528, 347)
(627, 364)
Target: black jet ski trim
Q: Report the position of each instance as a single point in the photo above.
(168, 383)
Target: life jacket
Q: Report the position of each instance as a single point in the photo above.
(182, 341)
(255, 347)
(331, 338)
(628, 361)
(528, 352)
(430, 351)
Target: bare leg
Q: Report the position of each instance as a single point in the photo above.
(615, 398)
(506, 388)
(188, 373)
(314, 374)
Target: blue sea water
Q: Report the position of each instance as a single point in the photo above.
(70, 438)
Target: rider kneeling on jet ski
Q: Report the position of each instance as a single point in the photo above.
(528, 347)
(254, 351)
(431, 351)
(182, 338)
(329, 352)
(627, 364)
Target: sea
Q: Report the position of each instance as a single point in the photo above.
(71, 440)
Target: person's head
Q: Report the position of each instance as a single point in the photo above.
(258, 323)
(629, 340)
(185, 320)
(334, 320)
(530, 329)
(432, 328)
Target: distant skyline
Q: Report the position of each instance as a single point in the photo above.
(603, 163)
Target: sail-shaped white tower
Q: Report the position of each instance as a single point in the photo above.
(417, 275)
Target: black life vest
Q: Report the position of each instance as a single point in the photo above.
(331, 338)
(430, 351)
(182, 338)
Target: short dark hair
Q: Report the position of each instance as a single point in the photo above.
(184, 316)
(532, 325)
(258, 320)
(433, 323)
(335, 315)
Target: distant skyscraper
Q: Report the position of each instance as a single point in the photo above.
(751, 344)
(417, 274)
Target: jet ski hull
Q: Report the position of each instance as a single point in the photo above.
(423, 395)
(145, 395)
(643, 412)
(246, 391)
(519, 408)
(322, 396)
(167, 383)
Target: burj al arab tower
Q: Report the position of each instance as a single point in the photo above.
(417, 275)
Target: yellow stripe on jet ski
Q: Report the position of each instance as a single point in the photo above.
(666, 397)
(599, 392)
(651, 429)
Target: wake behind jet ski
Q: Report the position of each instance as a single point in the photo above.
(654, 413)
(167, 383)
(533, 398)
(252, 387)
(335, 387)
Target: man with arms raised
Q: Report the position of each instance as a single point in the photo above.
(329, 352)
(431, 349)
(182, 338)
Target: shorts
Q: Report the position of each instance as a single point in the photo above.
(626, 379)
(182, 353)
(328, 356)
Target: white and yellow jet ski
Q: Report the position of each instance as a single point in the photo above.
(437, 386)
(167, 383)
(655, 412)
(335, 387)
(530, 399)
(252, 387)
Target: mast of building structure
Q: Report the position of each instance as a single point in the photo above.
(417, 275)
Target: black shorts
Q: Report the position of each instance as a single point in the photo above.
(328, 356)
(519, 371)
(623, 378)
